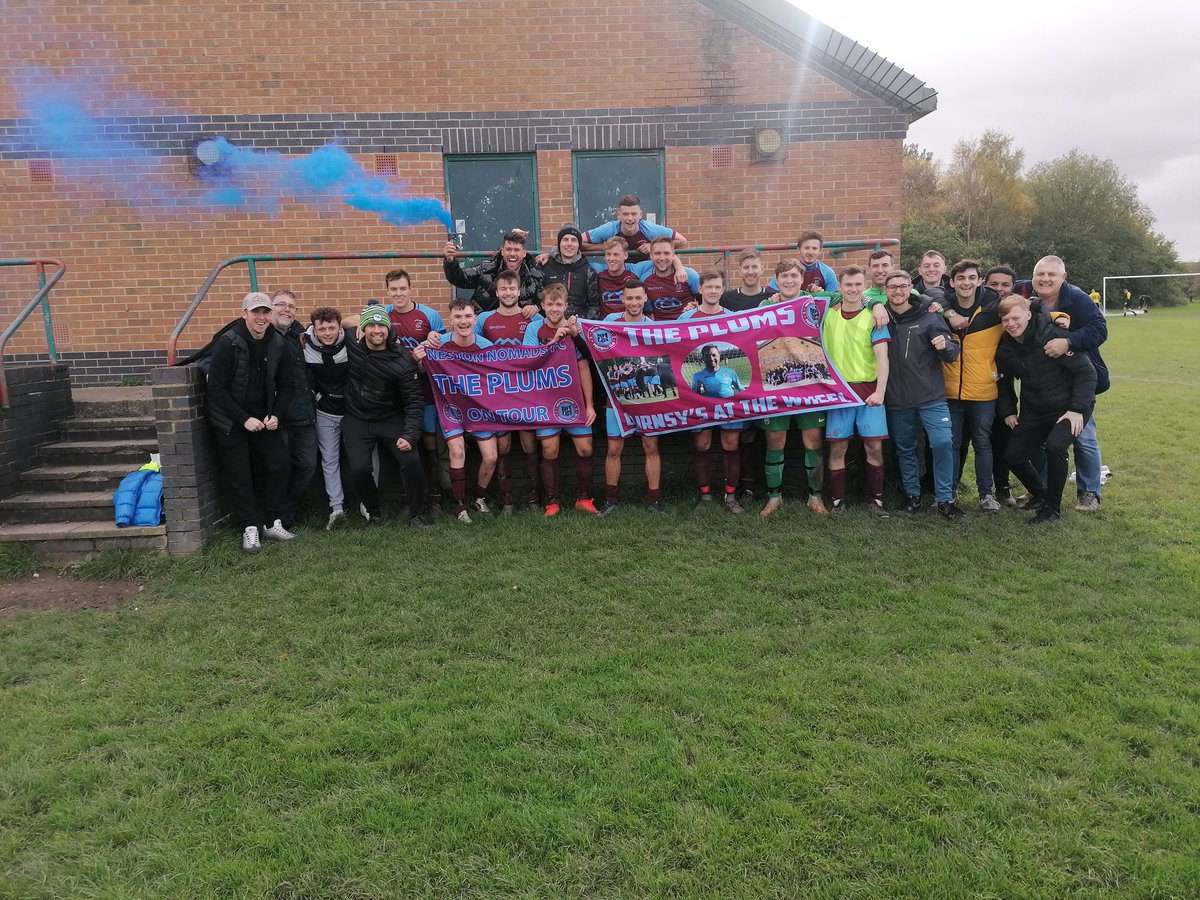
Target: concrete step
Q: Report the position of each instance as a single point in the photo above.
(62, 542)
(98, 476)
(112, 401)
(115, 428)
(61, 506)
(134, 452)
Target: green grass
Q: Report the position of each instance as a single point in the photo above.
(686, 706)
(17, 561)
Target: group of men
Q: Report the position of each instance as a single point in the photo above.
(933, 358)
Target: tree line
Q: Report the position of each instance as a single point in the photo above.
(984, 205)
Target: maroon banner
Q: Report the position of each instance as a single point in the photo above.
(697, 372)
(506, 388)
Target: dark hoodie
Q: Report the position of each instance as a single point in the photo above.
(583, 293)
(327, 369)
(1049, 385)
(914, 366)
(248, 379)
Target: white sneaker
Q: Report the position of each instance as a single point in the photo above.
(989, 503)
(481, 505)
(250, 542)
(464, 517)
(277, 532)
(1105, 474)
(362, 511)
(336, 518)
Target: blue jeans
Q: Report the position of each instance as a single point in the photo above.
(977, 415)
(1087, 459)
(935, 419)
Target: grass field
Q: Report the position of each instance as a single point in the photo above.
(685, 706)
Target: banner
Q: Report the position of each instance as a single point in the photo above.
(698, 372)
(506, 388)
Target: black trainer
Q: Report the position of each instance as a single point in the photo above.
(1045, 515)
(949, 510)
(909, 506)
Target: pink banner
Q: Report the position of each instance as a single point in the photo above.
(506, 388)
(675, 376)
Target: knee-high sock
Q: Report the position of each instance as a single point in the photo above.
(433, 484)
(837, 484)
(733, 469)
(458, 487)
(583, 477)
(533, 472)
(504, 469)
(749, 461)
(874, 483)
(703, 471)
(550, 479)
(774, 472)
(815, 465)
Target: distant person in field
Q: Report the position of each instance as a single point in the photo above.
(1058, 393)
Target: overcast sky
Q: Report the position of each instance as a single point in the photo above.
(1118, 80)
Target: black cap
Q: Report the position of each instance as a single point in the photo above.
(568, 229)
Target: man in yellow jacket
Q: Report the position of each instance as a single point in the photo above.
(973, 317)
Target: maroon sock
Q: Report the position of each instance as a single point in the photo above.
(583, 477)
(733, 470)
(874, 482)
(703, 471)
(610, 492)
(458, 487)
(655, 495)
(533, 472)
(504, 469)
(550, 477)
(837, 484)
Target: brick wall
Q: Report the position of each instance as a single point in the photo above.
(39, 397)
(192, 494)
(417, 80)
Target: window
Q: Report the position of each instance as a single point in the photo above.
(601, 177)
(490, 194)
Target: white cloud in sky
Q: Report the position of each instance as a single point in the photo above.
(1118, 80)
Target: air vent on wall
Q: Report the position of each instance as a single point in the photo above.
(41, 171)
(385, 164)
(722, 158)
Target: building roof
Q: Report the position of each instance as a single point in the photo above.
(823, 49)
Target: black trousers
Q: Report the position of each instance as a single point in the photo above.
(243, 455)
(361, 438)
(1024, 443)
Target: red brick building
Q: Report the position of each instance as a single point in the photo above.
(480, 103)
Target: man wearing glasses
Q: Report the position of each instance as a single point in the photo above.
(299, 420)
(916, 392)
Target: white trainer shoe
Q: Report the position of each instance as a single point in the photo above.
(250, 542)
(277, 532)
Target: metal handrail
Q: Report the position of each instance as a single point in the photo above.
(42, 298)
(837, 248)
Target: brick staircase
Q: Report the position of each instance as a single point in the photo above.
(65, 507)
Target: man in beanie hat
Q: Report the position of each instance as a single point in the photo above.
(568, 267)
(383, 409)
(250, 381)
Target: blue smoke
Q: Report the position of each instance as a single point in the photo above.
(99, 151)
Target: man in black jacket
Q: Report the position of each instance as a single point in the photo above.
(568, 267)
(250, 380)
(299, 420)
(384, 408)
(916, 393)
(482, 277)
(1058, 394)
